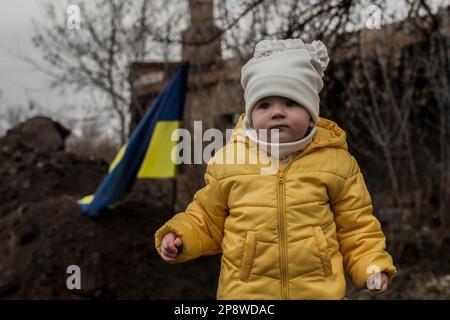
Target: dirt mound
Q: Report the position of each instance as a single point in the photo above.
(38, 133)
(42, 230)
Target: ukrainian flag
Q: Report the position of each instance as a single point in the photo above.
(148, 152)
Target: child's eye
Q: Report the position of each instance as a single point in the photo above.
(290, 103)
(263, 106)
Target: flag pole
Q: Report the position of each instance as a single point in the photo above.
(175, 180)
(174, 193)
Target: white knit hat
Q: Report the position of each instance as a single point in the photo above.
(288, 68)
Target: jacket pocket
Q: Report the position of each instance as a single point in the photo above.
(248, 255)
(323, 250)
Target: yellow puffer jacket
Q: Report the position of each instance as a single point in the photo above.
(287, 235)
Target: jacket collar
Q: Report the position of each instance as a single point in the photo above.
(327, 134)
(281, 150)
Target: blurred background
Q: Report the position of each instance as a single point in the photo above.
(77, 77)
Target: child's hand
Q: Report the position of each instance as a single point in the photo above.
(378, 283)
(171, 244)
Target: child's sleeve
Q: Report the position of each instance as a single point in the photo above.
(360, 237)
(201, 225)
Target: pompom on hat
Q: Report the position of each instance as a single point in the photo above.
(288, 68)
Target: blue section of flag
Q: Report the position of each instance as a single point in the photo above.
(167, 106)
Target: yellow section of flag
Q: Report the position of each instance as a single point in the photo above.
(87, 199)
(157, 162)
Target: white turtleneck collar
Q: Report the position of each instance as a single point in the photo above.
(285, 149)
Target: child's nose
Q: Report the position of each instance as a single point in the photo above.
(278, 110)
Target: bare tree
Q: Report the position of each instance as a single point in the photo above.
(112, 35)
(244, 23)
(438, 74)
(399, 105)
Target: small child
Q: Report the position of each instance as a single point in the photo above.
(295, 233)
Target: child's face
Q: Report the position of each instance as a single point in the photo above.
(289, 117)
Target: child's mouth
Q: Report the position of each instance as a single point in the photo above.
(279, 127)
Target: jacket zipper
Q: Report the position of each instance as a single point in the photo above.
(282, 225)
(283, 240)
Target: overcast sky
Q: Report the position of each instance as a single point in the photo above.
(19, 81)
